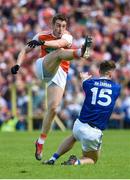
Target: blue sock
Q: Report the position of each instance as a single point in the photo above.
(54, 157)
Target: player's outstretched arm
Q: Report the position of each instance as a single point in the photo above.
(21, 57)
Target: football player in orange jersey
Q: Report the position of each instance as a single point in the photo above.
(52, 67)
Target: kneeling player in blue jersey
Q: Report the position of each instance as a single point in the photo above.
(100, 97)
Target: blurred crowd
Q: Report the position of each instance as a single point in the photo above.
(107, 21)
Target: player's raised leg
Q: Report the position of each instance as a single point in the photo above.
(52, 61)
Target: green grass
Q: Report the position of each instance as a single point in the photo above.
(17, 157)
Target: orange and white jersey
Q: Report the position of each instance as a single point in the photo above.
(48, 36)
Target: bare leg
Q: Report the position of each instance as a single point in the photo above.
(54, 97)
(52, 61)
(55, 94)
(90, 157)
(66, 145)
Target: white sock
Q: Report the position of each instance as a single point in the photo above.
(41, 141)
(53, 158)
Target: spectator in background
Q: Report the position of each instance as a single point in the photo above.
(21, 124)
(126, 106)
(9, 124)
(3, 109)
(69, 110)
(45, 16)
(117, 118)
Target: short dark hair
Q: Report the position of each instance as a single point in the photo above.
(61, 17)
(106, 66)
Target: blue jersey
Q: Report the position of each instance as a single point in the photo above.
(100, 98)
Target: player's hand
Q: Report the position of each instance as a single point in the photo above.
(34, 43)
(88, 41)
(85, 76)
(15, 69)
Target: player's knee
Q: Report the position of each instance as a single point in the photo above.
(58, 54)
(94, 158)
(91, 155)
(52, 108)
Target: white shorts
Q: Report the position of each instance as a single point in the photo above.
(59, 78)
(90, 138)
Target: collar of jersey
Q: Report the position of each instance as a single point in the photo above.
(103, 77)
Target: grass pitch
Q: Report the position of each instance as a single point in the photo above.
(17, 157)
